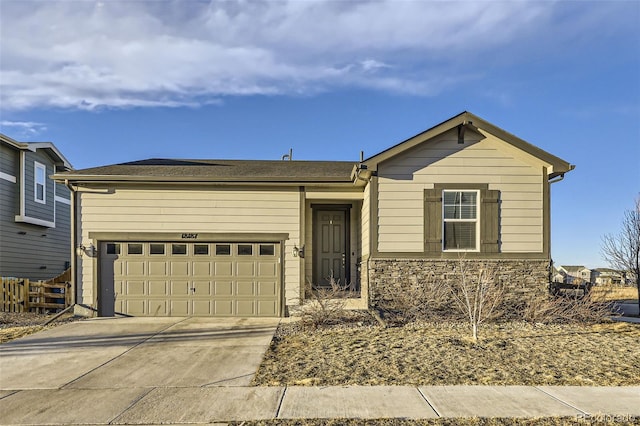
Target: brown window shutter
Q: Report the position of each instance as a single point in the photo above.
(490, 221)
(433, 220)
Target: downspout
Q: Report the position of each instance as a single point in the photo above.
(74, 241)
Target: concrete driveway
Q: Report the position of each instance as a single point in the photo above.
(92, 371)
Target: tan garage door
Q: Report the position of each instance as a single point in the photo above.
(199, 279)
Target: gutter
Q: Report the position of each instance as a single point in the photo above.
(561, 176)
(200, 180)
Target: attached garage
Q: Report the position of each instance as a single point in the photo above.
(179, 278)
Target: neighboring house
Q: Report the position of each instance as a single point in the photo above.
(34, 210)
(607, 276)
(577, 274)
(243, 238)
(557, 276)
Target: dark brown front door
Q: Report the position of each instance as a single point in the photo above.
(330, 249)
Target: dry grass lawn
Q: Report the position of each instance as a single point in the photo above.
(611, 293)
(443, 354)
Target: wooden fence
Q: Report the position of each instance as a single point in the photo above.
(24, 295)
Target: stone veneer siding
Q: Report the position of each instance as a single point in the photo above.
(522, 277)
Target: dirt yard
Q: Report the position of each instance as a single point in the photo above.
(443, 354)
(16, 325)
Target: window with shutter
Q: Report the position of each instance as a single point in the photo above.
(462, 218)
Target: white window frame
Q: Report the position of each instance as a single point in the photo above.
(476, 220)
(36, 167)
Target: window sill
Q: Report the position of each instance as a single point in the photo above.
(34, 221)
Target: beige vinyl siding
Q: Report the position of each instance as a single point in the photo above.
(365, 222)
(403, 179)
(195, 211)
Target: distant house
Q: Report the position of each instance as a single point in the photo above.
(34, 210)
(606, 276)
(577, 274)
(209, 237)
(557, 276)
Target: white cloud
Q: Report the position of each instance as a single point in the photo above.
(125, 54)
(22, 129)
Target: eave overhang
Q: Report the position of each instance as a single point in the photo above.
(184, 180)
(53, 151)
(466, 120)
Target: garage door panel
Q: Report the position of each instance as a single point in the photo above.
(133, 288)
(118, 286)
(245, 308)
(179, 268)
(118, 268)
(267, 288)
(120, 306)
(158, 288)
(223, 307)
(201, 288)
(223, 288)
(202, 308)
(158, 268)
(156, 307)
(267, 269)
(201, 279)
(202, 269)
(267, 308)
(245, 288)
(223, 268)
(179, 288)
(245, 269)
(135, 267)
(179, 308)
(135, 307)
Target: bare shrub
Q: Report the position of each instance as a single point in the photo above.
(324, 305)
(420, 301)
(565, 309)
(477, 293)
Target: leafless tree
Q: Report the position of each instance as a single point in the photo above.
(477, 293)
(622, 251)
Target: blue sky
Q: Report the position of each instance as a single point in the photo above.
(116, 81)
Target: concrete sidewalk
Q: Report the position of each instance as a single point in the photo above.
(198, 370)
(179, 405)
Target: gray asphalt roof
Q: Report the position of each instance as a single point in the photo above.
(220, 170)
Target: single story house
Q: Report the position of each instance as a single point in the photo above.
(35, 211)
(162, 237)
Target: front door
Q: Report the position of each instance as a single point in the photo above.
(330, 249)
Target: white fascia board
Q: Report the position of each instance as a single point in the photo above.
(63, 200)
(33, 146)
(8, 177)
